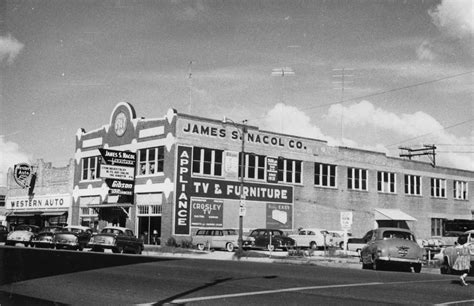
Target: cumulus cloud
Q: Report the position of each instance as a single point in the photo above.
(9, 48)
(290, 120)
(455, 21)
(362, 119)
(11, 154)
(419, 126)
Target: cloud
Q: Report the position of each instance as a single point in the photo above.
(290, 120)
(416, 128)
(11, 154)
(9, 48)
(362, 118)
(455, 18)
(455, 21)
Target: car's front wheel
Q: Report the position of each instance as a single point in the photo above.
(200, 247)
(313, 245)
(229, 247)
(417, 268)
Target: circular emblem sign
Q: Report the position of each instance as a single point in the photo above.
(120, 124)
(21, 174)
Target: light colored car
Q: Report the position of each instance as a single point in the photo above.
(391, 246)
(24, 234)
(73, 237)
(216, 238)
(449, 254)
(313, 238)
(338, 238)
(117, 239)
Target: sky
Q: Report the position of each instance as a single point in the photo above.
(368, 74)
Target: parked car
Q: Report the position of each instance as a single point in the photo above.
(24, 234)
(337, 238)
(44, 239)
(72, 237)
(449, 254)
(270, 239)
(3, 233)
(395, 246)
(117, 239)
(216, 238)
(313, 238)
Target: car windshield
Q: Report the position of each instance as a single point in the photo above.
(111, 231)
(399, 235)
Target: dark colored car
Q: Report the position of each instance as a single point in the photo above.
(391, 246)
(44, 239)
(24, 234)
(72, 237)
(117, 239)
(270, 239)
(3, 233)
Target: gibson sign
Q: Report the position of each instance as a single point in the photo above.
(119, 173)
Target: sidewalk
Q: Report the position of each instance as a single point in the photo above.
(319, 258)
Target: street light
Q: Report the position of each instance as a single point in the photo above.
(242, 129)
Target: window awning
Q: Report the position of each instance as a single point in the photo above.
(54, 213)
(392, 214)
(23, 213)
(109, 205)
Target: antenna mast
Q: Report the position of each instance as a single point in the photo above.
(342, 87)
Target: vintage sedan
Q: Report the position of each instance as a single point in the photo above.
(269, 239)
(24, 234)
(44, 239)
(117, 239)
(449, 254)
(73, 237)
(313, 238)
(391, 246)
(216, 238)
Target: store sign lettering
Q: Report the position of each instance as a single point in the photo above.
(253, 138)
(233, 190)
(182, 207)
(34, 203)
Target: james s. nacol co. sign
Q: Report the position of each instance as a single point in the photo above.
(22, 174)
(118, 170)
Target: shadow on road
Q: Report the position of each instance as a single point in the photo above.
(21, 263)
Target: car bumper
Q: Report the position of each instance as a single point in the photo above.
(43, 244)
(401, 260)
(101, 245)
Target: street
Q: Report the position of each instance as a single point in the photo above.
(218, 282)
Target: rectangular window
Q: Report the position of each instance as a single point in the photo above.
(289, 170)
(324, 175)
(356, 179)
(412, 184)
(207, 161)
(90, 168)
(436, 227)
(460, 190)
(254, 166)
(151, 161)
(386, 182)
(438, 188)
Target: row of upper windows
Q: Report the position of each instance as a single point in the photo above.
(209, 162)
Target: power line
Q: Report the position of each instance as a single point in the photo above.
(382, 92)
(444, 128)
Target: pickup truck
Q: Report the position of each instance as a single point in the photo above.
(356, 244)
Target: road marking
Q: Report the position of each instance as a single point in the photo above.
(223, 296)
(455, 302)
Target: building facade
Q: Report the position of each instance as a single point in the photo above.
(39, 194)
(184, 172)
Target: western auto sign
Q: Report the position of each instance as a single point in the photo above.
(118, 170)
(22, 174)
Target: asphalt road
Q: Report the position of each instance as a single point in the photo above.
(211, 282)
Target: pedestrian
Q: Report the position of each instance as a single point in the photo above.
(462, 262)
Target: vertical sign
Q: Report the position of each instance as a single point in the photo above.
(272, 170)
(182, 205)
(231, 165)
(346, 220)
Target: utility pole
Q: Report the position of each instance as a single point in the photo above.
(190, 85)
(342, 87)
(428, 150)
